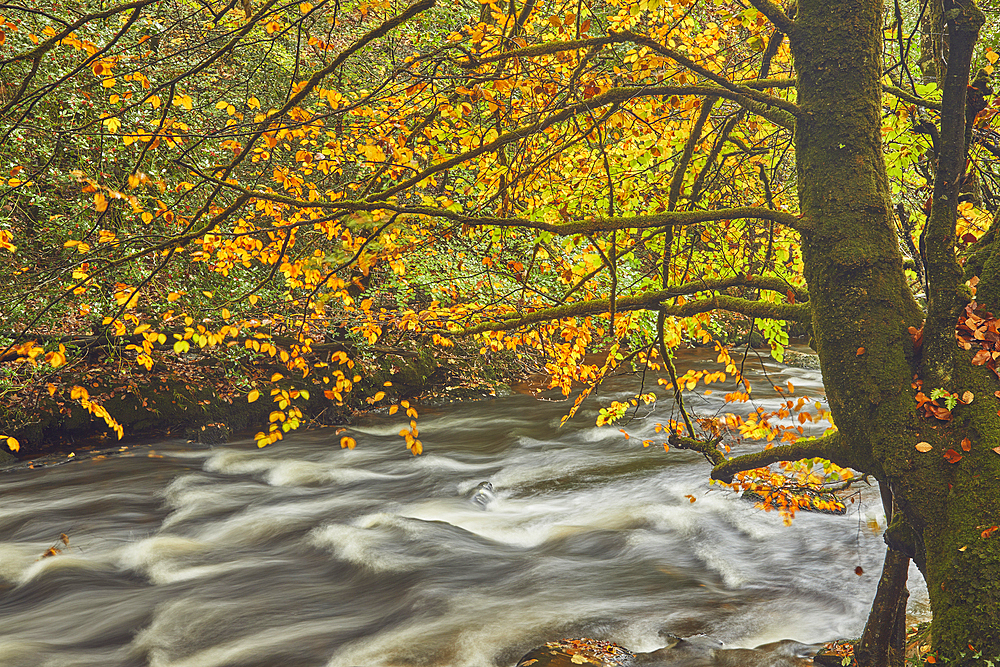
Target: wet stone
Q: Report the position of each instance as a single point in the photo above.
(584, 651)
(697, 651)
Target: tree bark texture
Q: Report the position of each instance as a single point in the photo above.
(861, 310)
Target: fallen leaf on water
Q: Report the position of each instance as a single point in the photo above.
(859, 570)
(924, 447)
(690, 497)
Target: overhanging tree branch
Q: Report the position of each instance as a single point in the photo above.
(650, 301)
(708, 448)
(719, 80)
(612, 96)
(830, 447)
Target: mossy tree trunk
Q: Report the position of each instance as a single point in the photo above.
(862, 308)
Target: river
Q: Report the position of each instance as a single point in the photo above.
(303, 553)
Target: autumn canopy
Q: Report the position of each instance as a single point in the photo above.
(298, 192)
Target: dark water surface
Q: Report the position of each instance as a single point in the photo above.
(305, 554)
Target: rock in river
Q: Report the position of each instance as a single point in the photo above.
(699, 651)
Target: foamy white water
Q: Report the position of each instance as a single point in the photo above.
(306, 554)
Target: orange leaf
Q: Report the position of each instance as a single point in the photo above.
(861, 351)
(967, 397)
(924, 447)
(966, 445)
(859, 570)
(951, 456)
(982, 356)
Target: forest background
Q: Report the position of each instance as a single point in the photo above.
(266, 213)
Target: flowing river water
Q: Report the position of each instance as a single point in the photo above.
(182, 555)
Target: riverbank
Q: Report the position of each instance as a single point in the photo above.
(206, 398)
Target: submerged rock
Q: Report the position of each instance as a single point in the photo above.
(699, 651)
(482, 495)
(802, 359)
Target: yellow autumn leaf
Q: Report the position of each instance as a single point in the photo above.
(253, 103)
(924, 447)
(181, 346)
(276, 377)
(347, 442)
(56, 359)
(253, 396)
(13, 444)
